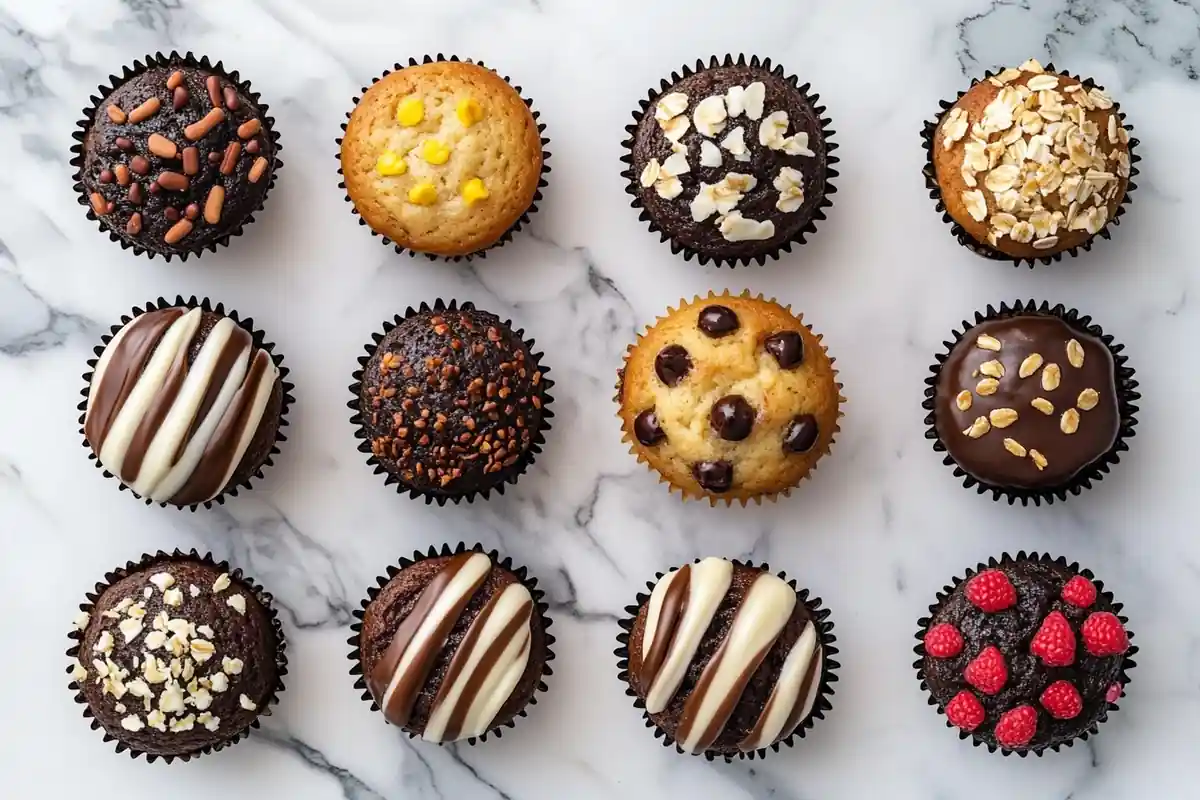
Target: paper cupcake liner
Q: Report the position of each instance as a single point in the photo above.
(730, 497)
(633, 187)
(968, 241)
(514, 228)
(522, 574)
(1006, 560)
(265, 599)
(829, 667)
(128, 72)
(431, 495)
(1127, 394)
(259, 338)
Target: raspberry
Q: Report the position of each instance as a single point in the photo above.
(1079, 591)
(1017, 727)
(1054, 642)
(1114, 693)
(1104, 635)
(987, 672)
(943, 641)
(1061, 699)
(991, 591)
(965, 711)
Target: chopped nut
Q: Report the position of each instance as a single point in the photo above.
(173, 597)
(1051, 377)
(1069, 423)
(202, 650)
(978, 428)
(130, 629)
(238, 603)
(1002, 417)
(1043, 405)
(81, 620)
(988, 343)
(171, 699)
(1087, 400)
(987, 387)
(963, 400)
(992, 369)
(1015, 447)
(247, 703)
(163, 580)
(219, 682)
(231, 666)
(1075, 353)
(132, 723)
(1030, 365)
(1039, 460)
(222, 583)
(104, 643)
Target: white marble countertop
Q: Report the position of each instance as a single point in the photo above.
(881, 527)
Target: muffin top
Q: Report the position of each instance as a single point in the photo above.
(1025, 655)
(1027, 401)
(442, 158)
(176, 657)
(730, 397)
(730, 162)
(182, 405)
(1032, 163)
(177, 157)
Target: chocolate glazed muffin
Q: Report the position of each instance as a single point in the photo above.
(453, 646)
(177, 157)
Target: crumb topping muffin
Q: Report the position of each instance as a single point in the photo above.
(442, 158)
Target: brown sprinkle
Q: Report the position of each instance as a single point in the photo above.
(124, 143)
(249, 128)
(139, 164)
(180, 98)
(231, 99)
(134, 226)
(214, 90)
(192, 211)
(213, 205)
(252, 146)
(258, 169)
(99, 204)
(232, 151)
(172, 181)
(107, 176)
(122, 173)
(115, 114)
(176, 79)
(161, 146)
(146, 110)
(135, 194)
(200, 128)
(178, 231)
(191, 160)
(172, 214)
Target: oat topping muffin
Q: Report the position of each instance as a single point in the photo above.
(1032, 163)
(730, 398)
(442, 158)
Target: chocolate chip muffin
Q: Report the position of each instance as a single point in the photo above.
(731, 161)
(728, 659)
(1030, 163)
(1025, 654)
(184, 403)
(729, 398)
(177, 656)
(451, 402)
(176, 157)
(452, 645)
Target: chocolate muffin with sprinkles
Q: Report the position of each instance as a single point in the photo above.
(450, 402)
(175, 157)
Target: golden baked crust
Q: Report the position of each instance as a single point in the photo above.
(1080, 152)
(736, 363)
(503, 149)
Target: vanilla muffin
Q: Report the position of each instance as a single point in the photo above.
(1032, 163)
(442, 158)
(729, 398)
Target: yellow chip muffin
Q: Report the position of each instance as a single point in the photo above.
(729, 398)
(442, 158)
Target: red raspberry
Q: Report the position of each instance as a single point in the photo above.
(1114, 693)
(943, 641)
(991, 591)
(987, 672)
(1017, 727)
(965, 711)
(1104, 635)
(1062, 700)
(1054, 642)
(1079, 591)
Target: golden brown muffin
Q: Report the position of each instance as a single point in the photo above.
(1032, 163)
(442, 158)
(730, 398)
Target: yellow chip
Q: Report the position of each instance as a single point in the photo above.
(469, 111)
(391, 163)
(435, 152)
(423, 194)
(474, 190)
(410, 111)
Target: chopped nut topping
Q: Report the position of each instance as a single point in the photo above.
(1015, 447)
(986, 342)
(222, 583)
(130, 629)
(987, 387)
(81, 620)
(1043, 405)
(1069, 423)
(963, 400)
(1039, 460)
(238, 603)
(1075, 353)
(1002, 417)
(1051, 377)
(247, 703)
(231, 666)
(132, 723)
(978, 428)
(1030, 365)
(993, 369)
(1088, 399)
(163, 580)
(104, 643)
(173, 597)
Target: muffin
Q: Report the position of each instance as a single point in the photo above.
(451, 402)
(184, 403)
(727, 659)
(177, 656)
(452, 645)
(730, 162)
(176, 156)
(442, 158)
(729, 398)
(1025, 654)
(1031, 164)
(1032, 402)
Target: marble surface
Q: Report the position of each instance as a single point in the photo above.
(877, 531)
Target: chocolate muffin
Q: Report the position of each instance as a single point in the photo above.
(452, 645)
(1025, 654)
(1031, 402)
(176, 156)
(451, 402)
(729, 398)
(727, 659)
(177, 656)
(1030, 164)
(184, 403)
(730, 162)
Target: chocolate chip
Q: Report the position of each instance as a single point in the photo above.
(717, 321)
(787, 347)
(646, 428)
(714, 476)
(135, 194)
(672, 364)
(732, 417)
(154, 187)
(801, 434)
